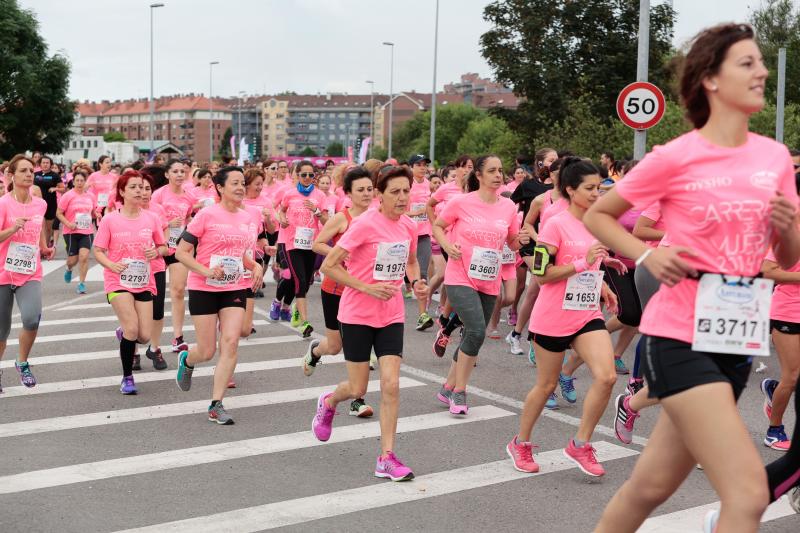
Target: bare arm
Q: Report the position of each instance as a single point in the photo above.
(331, 229)
(772, 271)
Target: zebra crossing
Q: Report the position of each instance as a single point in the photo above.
(88, 459)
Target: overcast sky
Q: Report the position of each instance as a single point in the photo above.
(269, 46)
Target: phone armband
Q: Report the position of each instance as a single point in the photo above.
(541, 259)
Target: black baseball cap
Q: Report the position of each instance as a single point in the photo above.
(416, 158)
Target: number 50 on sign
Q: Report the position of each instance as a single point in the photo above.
(640, 105)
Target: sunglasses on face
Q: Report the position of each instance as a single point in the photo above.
(274, 168)
(306, 174)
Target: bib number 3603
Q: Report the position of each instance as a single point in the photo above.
(484, 264)
(583, 291)
(731, 315)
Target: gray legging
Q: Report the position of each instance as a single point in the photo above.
(424, 254)
(646, 285)
(475, 310)
(29, 301)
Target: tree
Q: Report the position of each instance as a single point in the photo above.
(553, 52)
(114, 137)
(777, 24)
(308, 152)
(379, 152)
(452, 120)
(335, 149)
(490, 135)
(36, 110)
(225, 146)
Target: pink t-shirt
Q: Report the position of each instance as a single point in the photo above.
(282, 188)
(573, 241)
(329, 205)
(654, 213)
(22, 260)
(551, 210)
(447, 192)
(262, 204)
(628, 221)
(174, 206)
(715, 201)
(225, 238)
(367, 235)
(207, 197)
(299, 216)
(475, 223)
(125, 240)
(102, 185)
(155, 210)
(420, 193)
(786, 297)
(78, 208)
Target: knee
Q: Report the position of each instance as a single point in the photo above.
(30, 322)
(177, 290)
(334, 347)
(607, 380)
(751, 498)
(205, 353)
(143, 338)
(230, 342)
(360, 389)
(390, 386)
(473, 340)
(131, 331)
(647, 495)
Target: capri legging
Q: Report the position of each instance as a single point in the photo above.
(158, 299)
(630, 308)
(301, 265)
(475, 310)
(29, 301)
(424, 254)
(646, 287)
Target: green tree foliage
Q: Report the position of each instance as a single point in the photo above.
(452, 120)
(225, 146)
(490, 135)
(777, 24)
(114, 137)
(553, 52)
(35, 111)
(335, 149)
(308, 152)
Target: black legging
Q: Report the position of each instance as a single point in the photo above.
(629, 308)
(301, 265)
(784, 473)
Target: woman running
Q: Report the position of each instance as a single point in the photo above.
(76, 210)
(127, 241)
(177, 205)
(222, 238)
(23, 242)
(380, 248)
(689, 358)
(204, 194)
(420, 194)
(358, 186)
(301, 214)
(481, 222)
(261, 210)
(102, 183)
(567, 314)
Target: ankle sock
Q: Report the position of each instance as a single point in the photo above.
(578, 443)
(214, 403)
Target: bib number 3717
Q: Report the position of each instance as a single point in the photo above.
(731, 315)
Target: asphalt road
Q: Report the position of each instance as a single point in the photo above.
(78, 456)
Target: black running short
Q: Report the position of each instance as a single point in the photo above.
(76, 241)
(209, 303)
(561, 344)
(671, 366)
(144, 296)
(360, 341)
(170, 259)
(330, 309)
(787, 328)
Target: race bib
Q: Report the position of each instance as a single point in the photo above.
(419, 218)
(22, 258)
(509, 256)
(484, 264)
(208, 202)
(731, 315)
(102, 199)
(246, 274)
(331, 210)
(232, 268)
(391, 261)
(583, 291)
(137, 275)
(83, 221)
(303, 237)
(174, 235)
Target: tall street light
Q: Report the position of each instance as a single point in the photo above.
(239, 129)
(433, 94)
(152, 103)
(371, 116)
(211, 109)
(391, 95)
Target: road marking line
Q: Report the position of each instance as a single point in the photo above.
(692, 519)
(120, 416)
(147, 377)
(83, 320)
(101, 334)
(517, 404)
(113, 354)
(375, 496)
(84, 307)
(156, 462)
(52, 266)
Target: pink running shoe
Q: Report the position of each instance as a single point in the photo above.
(458, 403)
(322, 426)
(391, 467)
(512, 317)
(585, 458)
(522, 455)
(444, 395)
(623, 422)
(440, 344)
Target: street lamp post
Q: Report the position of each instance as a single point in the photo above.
(151, 103)
(211, 109)
(433, 94)
(239, 128)
(391, 95)
(371, 116)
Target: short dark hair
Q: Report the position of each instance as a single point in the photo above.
(354, 174)
(387, 173)
(221, 177)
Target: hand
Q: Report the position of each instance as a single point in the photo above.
(525, 236)
(453, 250)
(782, 214)
(176, 222)
(271, 250)
(381, 291)
(667, 266)
(72, 226)
(51, 189)
(20, 223)
(258, 277)
(616, 264)
(596, 251)
(118, 268)
(308, 204)
(215, 273)
(48, 253)
(421, 290)
(608, 296)
(150, 253)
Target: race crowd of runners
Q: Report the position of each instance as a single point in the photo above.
(693, 253)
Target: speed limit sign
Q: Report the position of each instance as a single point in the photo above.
(640, 105)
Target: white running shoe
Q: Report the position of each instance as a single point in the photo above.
(513, 343)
